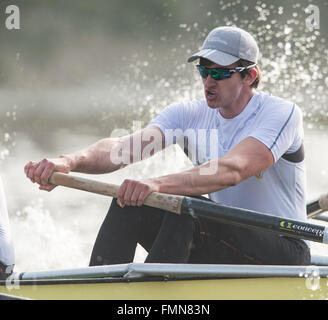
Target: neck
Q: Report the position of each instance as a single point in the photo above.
(237, 105)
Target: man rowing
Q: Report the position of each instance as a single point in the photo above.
(247, 147)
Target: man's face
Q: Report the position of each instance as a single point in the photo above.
(222, 93)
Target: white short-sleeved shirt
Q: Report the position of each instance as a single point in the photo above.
(7, 256)
(275, 122)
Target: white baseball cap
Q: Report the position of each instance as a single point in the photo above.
(226, 45)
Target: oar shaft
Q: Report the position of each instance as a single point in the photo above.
(317, 206)
(212, 210)
(255, 220)
(313, 209)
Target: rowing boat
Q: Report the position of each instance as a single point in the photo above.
(137, 281)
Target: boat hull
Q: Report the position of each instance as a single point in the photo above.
(172, 282)
(202, 289)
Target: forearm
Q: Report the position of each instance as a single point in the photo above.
(242, 162)
(104, 156)
(96, 158)
(212, 176)
(108, 155)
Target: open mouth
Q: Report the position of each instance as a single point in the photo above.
(210, 94)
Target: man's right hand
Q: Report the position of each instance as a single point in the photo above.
(41, 171)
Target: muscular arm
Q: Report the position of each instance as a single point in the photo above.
(246, 159)
(110, 154)
(96, 158)
(104, 156)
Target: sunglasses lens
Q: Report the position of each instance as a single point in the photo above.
(220, 74)
(216, 73)
(202, 71)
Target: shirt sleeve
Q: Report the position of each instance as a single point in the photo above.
(280, 129)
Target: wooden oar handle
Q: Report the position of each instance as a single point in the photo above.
(163, 201)
(323, 202)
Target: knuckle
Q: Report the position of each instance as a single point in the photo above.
(34, 165)
(50, 165)
(134, 200)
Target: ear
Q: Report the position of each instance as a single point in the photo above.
(251, 76)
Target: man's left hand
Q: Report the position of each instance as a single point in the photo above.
(134, 193)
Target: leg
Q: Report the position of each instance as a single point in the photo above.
(166, 236)
(228, 244)
(173, 241)
(120, 232)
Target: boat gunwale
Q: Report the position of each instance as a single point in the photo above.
(141, 272)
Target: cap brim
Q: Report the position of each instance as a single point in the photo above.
(215, 56)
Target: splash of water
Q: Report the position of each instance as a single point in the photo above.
(7, 133)
(42, 242)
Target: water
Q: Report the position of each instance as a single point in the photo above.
(57, 98)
